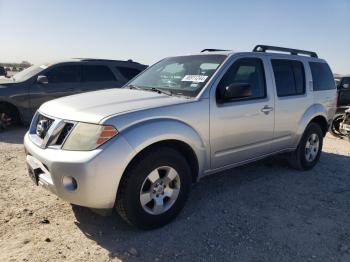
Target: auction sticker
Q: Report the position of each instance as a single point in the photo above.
(194, 78)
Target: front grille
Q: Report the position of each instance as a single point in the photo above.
(64, 133)
(42, 125)
(49, 132)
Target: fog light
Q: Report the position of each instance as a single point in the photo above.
(69, 183)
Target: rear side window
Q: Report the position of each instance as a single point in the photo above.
(250, 71)
(289, 77)
(322, 76)
(128, 72)
(97, 73)
(64, 74)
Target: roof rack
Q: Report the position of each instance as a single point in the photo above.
(264, 48)
(212, 50)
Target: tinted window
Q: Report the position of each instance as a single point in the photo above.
(289, 77)
(247, 70)
(64, 74)
(128, 72)
(322, 76)
(97, 73)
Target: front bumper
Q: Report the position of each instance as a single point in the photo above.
(97, 173)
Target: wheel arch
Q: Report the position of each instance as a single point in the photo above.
(317, 114)
(169, 132)
(12, 107)
(180, 146)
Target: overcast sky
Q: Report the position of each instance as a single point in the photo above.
(146, 31)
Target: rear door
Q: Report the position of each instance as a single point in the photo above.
(63, 80)
(97, 77)
(242, 129)
(291, 101)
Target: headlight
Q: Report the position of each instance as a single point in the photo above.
(85, 137)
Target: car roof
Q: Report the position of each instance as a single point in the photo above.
(96, 60)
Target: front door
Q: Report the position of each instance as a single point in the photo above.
(63, 80)
(242, 129)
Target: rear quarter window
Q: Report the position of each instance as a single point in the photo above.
(322, 76)
(128, 72)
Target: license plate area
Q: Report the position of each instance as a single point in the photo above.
(34, 169)
(33, 174)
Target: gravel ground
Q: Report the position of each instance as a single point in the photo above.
(260, 212)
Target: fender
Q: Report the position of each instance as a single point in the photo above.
(313, 111)
(148, 132)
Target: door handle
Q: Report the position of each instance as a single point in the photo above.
(266, 109)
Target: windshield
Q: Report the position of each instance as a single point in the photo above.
(183, 75)
(29, 72)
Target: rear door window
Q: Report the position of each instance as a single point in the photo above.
(289, 77)
(322, 76)
(97, 73)
(64, 74)
(128, 72)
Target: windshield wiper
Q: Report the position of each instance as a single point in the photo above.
(135, 87)
(161, 91)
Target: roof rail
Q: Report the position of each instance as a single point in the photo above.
(212, 50)
(101, 60)
(264, 48)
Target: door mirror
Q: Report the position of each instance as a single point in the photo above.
(42, 80)
(234, 91)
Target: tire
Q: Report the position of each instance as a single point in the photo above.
(141, 178)
(334, 130)
(300, 159)
(7, 117)
(4, 115)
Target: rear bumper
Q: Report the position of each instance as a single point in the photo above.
(97, 173)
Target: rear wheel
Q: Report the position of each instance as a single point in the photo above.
(154, 189)
(7, 117)
(309, 149)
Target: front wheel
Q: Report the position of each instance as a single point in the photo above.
(154, 189)
(308, 152)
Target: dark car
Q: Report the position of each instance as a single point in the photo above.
(22, 94)
(343, 102)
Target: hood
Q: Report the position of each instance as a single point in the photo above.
(92, 107)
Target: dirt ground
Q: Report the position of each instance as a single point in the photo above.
(260, 212)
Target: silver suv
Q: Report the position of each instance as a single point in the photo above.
(140, 148)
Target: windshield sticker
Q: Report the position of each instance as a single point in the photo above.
(43, 66)
(194, 78)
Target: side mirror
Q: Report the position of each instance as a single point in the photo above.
(234, 91)
(42, 80)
